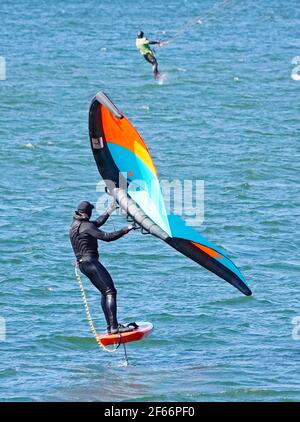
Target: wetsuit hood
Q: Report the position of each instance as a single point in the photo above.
(81, 217)
(85, 207)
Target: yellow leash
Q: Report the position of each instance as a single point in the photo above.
(88, 313)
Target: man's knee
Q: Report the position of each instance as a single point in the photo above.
(110, 291)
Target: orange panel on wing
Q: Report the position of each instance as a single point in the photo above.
(121, 132)
(209, 251)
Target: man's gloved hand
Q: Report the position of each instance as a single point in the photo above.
(130, 227)
(113, 205)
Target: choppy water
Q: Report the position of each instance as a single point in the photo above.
(227, 112)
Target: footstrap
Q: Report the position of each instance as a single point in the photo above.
(133, 324)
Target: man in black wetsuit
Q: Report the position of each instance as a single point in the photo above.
(84, 236)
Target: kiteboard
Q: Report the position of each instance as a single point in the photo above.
(144, 329)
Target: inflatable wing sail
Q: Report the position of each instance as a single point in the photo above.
(126, 166)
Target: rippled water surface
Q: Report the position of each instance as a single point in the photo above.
(226, 112)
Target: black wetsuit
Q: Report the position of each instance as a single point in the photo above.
(84, 236)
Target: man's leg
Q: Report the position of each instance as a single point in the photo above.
(103, 306)
(151, 59)
(102, 280)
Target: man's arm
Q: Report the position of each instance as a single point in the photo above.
(154, 42)
(104, 217)
(105, 236)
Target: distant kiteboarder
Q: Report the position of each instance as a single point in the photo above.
(84, 236)
(143, 45)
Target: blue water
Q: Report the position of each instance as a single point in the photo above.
(227, 112)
